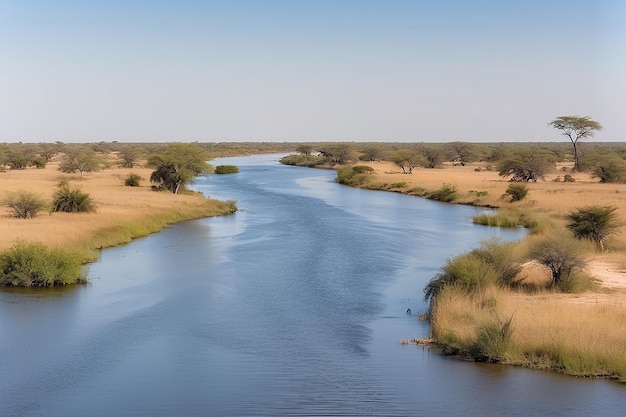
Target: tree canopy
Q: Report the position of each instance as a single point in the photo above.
(576, 128)
(177, 165)
(593, 223)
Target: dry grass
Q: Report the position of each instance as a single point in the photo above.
(552, 199)
(122, 212)
(549, 331)
(578, 334)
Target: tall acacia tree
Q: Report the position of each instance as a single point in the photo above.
(576, 128)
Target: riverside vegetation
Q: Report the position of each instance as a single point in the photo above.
(92, 198)
(555, 300)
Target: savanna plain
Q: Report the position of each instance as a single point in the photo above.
(577, 327)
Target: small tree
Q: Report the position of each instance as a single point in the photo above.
(24, 204)
(304, 150)
(593, 223)
(81, 159)
(129, 156)
(576, 128)
(407, 160)
(527, 167)
(560, 255)
(177, 166)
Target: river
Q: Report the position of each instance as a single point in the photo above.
(293, 306)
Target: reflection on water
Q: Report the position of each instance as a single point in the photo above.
(293, 306)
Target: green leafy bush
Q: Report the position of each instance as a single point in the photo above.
(447, 193)
(33, 264)
(517, 192)
(133, 180)
(356, 175)
(226, 169)
(467, 272)
(302, 160)
(70, 200)
(24, 204)
(594, 223)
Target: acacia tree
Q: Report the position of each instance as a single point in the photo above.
(593, 223)
(576, 128)
(524, 167)
(407, 159)
(177, 165)
(79, 158)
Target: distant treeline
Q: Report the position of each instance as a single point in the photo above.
(529, 160)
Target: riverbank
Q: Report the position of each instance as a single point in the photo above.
(122, 213)
(580, 334)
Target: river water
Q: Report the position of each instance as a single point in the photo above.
(294, 306)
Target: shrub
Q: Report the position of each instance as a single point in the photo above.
(610, 169)
(24, 204)
(132, 180)
(356, 175)
(447, 193)
(568, 178)
(560, 254)
(517, 192)
(226, 169)
(502, 258)
(33, 264)
(70, 200)
(467, 272)
(593, 223)
(302, 160)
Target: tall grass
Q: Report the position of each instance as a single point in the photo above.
(546, 332)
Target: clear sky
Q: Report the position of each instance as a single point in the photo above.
(316, 70)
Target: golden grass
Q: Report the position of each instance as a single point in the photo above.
(552, 199)
(549, 331)
(122, 212)
(578, 334)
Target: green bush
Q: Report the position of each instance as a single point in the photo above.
(33, 264)
(356, 175)
(24, 204)
(502, 257)
(517, 192)
(70, 200)
(492, 341)
(302, 160)
(133, 180)
(226, 169)
(447, 193)
(467, 272)
(594, 223)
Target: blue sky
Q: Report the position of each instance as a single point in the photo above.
(343, 70)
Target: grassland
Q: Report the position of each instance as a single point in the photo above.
(123, 213)
(582, 334)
